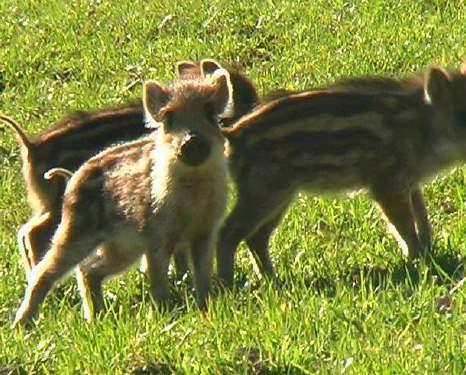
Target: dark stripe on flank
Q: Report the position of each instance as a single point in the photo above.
(99, 137)
(88, 122)
(317, 144)
(303, 107)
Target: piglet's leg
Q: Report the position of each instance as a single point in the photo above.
(201, 253)
(181, 263)
(258, 243)
(34, 239)
(108, 261)
(40, 235)
(24, 247)
(423, 226)
(158, 260)
(68, 249)
(254, 217)
(397, 206)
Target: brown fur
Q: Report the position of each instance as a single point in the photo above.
(38, 231)
(68, 144)
(378, 134)
(150, 196)
(245, 96)
(82, 135)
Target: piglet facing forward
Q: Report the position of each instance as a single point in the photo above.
(152, 196)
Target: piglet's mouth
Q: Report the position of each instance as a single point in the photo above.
(194, 150)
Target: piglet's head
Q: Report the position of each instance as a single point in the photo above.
(245, 96)
(188, 114)
(446, 92)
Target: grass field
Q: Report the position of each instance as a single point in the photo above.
(347, 303)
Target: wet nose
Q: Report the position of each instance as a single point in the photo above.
(195, 149)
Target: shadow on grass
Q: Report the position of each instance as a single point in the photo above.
(68, 294)
(154, 369)
(180, 289)
(247, 360)
(446, 269)
(256, 365)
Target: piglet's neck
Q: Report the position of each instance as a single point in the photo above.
(170, 175)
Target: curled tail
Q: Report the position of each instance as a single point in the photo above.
(21, 135)
(54, 172)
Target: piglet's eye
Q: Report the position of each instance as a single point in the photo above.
(210, 114)
(460, 117)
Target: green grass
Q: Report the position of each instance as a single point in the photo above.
(347, 302)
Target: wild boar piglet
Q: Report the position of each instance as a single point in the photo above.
(379, 134)
(151, 196)
(68, 144)
(80, 136)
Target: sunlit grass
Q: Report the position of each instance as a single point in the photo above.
(346, 302)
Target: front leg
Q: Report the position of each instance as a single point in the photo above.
(397, 205)
(201, 253)
(181, 263)
(158, 260)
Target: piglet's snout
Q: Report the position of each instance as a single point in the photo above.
(195, 149)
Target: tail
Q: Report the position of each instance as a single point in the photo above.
(23, 138)
(54, 172)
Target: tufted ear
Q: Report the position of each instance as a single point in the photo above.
(438, 88)
(209, 66)
(222, 98)
(154, 98)
(187, 68)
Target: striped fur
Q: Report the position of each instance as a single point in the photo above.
(383, 135)
(145, 197)
(78, 137)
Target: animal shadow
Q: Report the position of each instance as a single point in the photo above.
(446, 269)
(154, 369)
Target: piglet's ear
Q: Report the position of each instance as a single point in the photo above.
(187, 68)
(438, 88)
(209, 66)
(222, 98)
(154, 98)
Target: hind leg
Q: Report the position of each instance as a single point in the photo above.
(68, 249)
(41, 234)
(34, 238)
(24, 247)
(423, 227)
(246, 218)
(108, 261)
(258, 243)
